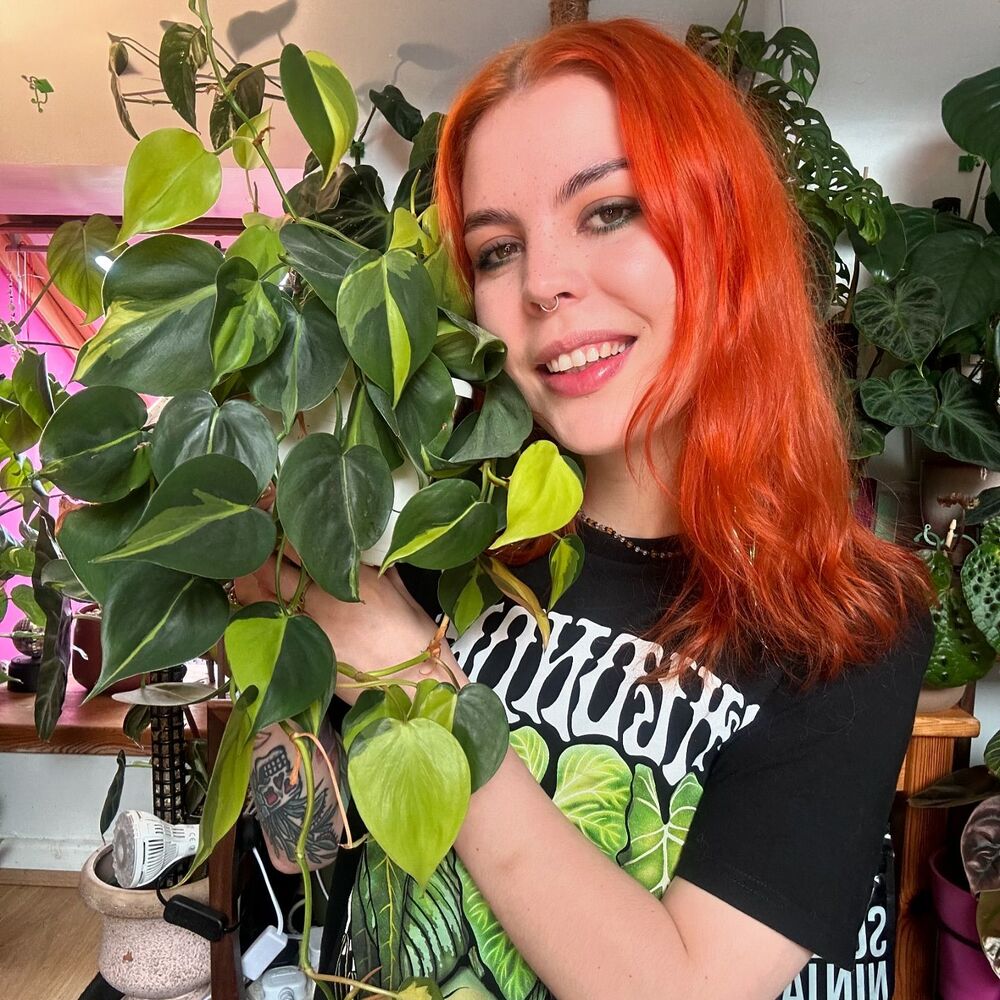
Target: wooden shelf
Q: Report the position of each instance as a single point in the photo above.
(94, 728)
(954, 722)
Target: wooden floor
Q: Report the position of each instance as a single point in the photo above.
(48, 943)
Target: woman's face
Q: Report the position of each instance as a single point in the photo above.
(583, 367)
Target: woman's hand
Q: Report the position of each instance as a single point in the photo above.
(386, 628)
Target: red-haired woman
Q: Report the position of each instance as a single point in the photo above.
(703, 758)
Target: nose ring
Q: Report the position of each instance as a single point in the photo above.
(552, 308)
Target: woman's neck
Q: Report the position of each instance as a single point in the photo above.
(630, 501)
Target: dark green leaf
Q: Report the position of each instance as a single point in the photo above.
(565, 565)
(321, 259)
(56, 641)
(398, 112)
(987, 506)
(468, 350)
(906, 318)
(426, 141)
(480, 726)
(971, 114)
(155, 618)
(905, 399)
(92, 448)
(495, 431)
(884, 259)
(963, 787)
(182, 53)
(159, 297)
(442, 526)
(249, 95)
(137, 720)
(308, 363)
(966, 425)
(245, 325)
(333, 503)
(360, 212)
(192, 424)
(464, 593)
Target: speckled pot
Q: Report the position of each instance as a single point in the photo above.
(141, 954)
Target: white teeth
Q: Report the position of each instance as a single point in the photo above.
(584, 356)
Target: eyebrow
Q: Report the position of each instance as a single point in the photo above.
(576, 183)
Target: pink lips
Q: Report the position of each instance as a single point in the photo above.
(580, 382)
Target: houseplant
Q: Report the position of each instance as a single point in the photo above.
(343, 302)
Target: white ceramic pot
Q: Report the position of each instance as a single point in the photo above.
(141, 954)
(939, 699)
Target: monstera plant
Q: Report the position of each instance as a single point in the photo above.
(319, 355)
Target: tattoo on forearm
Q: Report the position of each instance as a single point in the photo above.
(281, 808)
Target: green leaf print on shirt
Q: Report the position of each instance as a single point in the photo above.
(512, 973)
(405, 931)
(532, 750)
(593, 785)
(654, 846)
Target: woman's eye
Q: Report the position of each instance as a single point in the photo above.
(612, 216)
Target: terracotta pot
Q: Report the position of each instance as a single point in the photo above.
(86, 656)
(141, 954)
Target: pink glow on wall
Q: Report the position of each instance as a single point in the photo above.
(60, 363)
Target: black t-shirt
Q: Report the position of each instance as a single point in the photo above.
(773, 800)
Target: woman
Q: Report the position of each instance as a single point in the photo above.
(623, 229)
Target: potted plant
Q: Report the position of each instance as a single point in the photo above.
(344, 309)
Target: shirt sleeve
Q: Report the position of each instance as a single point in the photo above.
(790, 827)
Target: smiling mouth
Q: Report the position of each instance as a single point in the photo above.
(582, 358)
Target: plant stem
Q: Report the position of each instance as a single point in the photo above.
(876, 361)
(34, 305)
(277, 572)
(48, 343)
(852, 291)
(300, 590)
(975, 197)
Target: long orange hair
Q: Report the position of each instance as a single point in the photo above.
(779, 566)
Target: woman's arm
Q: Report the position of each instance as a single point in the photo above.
(281, 804)
(588, 929)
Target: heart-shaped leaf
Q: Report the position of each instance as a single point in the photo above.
(322, 103)
(170, 179)
(193, 424)
(249, 95)
(965, 425)
(360, 211)
(72, 261)
(544, 494)
(480, 726)
(388, 317)
(971, 114)
(321, 259)
(411, 785)
(92, 448)
(245, 325)
(960, 653)
(202, 520)
(89, 532)
(309, 361)
(155, 618)
(495, 431)
(333, 504)
(288, 659)
(434, 700)
(32, 387)
(904, 399)
(183, 52)
(159, 298)
(442, 526)
(965, 263)
(423, 414)
(465, 592)
(397, 110)
(906, 319)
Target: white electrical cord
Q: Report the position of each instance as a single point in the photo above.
(278, 916)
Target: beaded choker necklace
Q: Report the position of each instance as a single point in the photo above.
(627, 542)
